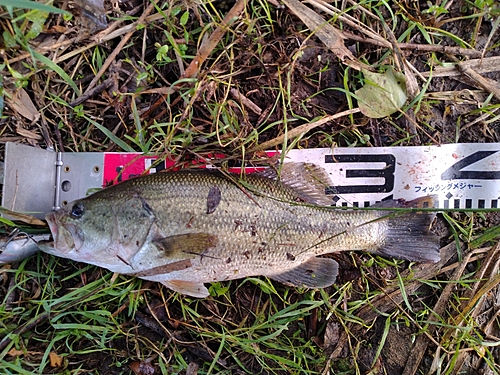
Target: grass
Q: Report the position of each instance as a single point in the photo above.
(382, 317)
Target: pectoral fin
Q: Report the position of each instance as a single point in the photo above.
(315, 273)
(190, 288)
(186, 246)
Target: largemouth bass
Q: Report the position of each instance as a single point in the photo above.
(192, 227)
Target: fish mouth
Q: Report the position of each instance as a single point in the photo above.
(65, 235)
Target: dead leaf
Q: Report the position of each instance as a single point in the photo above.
(55, 360)
(142, 368)
(329, 35)
(21, 103)
(15, 353)
(56, 29)
(28, 134)
(192, 369)
(383, 94)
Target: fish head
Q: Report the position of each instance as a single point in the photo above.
(103, 229)
(64, 226)
(81, 231)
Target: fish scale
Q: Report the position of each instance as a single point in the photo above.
(244, 225)
(191, 227)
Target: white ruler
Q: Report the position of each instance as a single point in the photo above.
(463, 176)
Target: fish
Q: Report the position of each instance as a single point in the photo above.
(191, 227)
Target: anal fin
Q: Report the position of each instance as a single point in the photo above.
(315, 273)
(190, 288)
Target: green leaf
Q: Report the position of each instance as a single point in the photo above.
(217, 289)
(28, 4)
(56, 68)
(38, 19)
(382, 94)
(184, 18)
(8, 40)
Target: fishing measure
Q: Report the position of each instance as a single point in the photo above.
(460, 175)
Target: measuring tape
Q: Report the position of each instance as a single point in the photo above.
(460, 175)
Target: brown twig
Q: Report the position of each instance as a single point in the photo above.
(349, 20)
(25, 328)
(206, 48)
(414, 47)
(57, 309)
(245, 101)
(482, 82)
(480, 66)
(90, 93)
(119, 47)
(101, 37)
(302, 129)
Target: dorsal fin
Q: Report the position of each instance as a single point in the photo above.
(307, 180)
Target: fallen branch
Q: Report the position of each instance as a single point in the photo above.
(480, 66)
(206, 48)
(415, 47)
(302, 129)
(119, 48)
(329, 35)
(481, 82)
(245, 101)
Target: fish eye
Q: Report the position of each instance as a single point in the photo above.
(77, 210)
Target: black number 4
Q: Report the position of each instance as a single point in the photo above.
(455, 172)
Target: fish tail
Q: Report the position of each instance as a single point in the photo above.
(408, 234)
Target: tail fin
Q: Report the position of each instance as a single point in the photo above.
(408, 236)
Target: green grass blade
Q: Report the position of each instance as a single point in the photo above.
(489, 235)
(124, 146)
(16, 369)
(56, 68)
(382, 340)
(27, 4)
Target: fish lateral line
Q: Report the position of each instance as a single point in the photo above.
(201, 255)
(123, 260)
